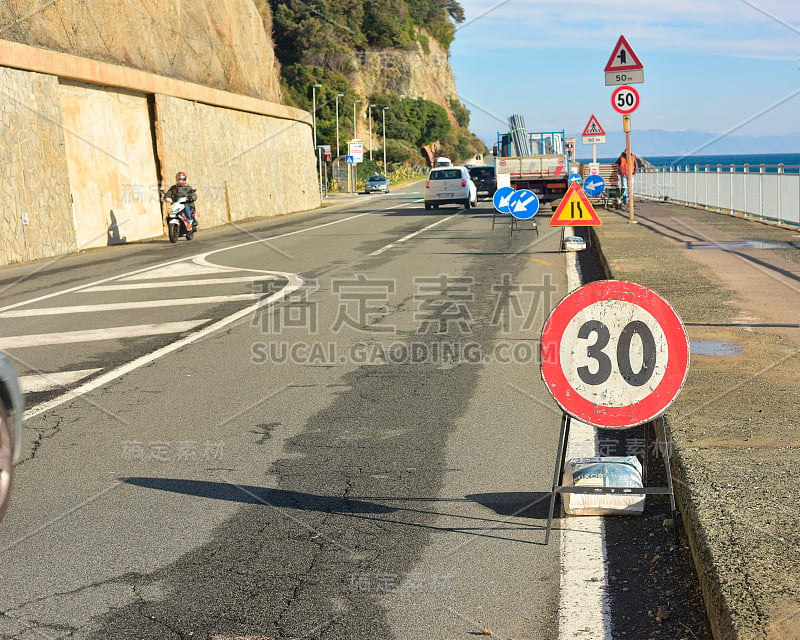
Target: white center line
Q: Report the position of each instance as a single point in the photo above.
(412, 235)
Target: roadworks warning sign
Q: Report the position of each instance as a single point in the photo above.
(575, 209)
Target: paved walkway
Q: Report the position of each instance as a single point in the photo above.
(736, 424)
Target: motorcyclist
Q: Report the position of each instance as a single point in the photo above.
(182, 189)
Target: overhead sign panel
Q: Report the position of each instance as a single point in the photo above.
(624, 66)
(575, 209)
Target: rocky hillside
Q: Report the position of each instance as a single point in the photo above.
(388, 53)
(220, 43)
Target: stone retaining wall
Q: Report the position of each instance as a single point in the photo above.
(243, 165)
(247, 158)
(36, 218)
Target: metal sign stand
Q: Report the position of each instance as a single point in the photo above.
(558, 474)
(514, 224)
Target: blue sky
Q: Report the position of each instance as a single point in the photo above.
(711, 65)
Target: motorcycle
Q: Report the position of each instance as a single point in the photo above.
(180, 223)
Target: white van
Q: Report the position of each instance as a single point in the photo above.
(443, 162)
(450, 185)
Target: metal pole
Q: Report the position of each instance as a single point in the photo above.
(341, 95)
(314, 88)
(355, 120)
(369, 113)
(626, 125)
(383, 111)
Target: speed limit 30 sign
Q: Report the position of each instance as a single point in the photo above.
(614, 354)
(625, 99)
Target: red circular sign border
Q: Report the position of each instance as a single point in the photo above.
(614, 417)
(628, 111)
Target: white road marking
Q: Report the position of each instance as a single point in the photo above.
(172, 270)
(295, 282)
(46, 381)
(200, 259)
(123, 306)
(204, 282)
(584, 610)
(94, 335)
(412, 235)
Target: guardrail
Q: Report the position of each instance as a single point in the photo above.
(767, 192)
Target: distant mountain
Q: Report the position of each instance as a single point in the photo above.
(658, 142)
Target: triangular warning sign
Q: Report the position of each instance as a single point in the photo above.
(575, 209)
(593, 128)
(623, 58)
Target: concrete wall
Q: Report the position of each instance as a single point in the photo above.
(34, 181)
(109, 149)
(83, 143)
(243, 165)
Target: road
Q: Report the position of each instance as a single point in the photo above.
(329, 425)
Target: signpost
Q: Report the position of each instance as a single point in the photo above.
(615, 355)
(575, 209)
(625, 100)
(593, 134)
(523, 204)
(594, 185)
(624, 66)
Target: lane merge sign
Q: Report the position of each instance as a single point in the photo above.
(593, 133)
(625, 100)
(523, 204)
(614, 354)
(624, 66)
(502, 198)
(575, 209)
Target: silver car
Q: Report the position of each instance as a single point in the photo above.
(376, 184)
(11, 410)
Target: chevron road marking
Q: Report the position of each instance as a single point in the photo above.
(36, 383)
(93, 335)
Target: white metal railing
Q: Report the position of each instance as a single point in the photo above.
(742, 189)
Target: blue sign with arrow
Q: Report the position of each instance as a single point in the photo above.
(502, 197)
(575, 177)
(523, 204)
(594, 185)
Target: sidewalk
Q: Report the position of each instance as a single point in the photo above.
(735, 426)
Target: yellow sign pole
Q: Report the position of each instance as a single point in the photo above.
(626, 127)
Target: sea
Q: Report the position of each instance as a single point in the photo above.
(771, 161)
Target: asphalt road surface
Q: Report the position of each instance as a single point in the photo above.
(329, 425)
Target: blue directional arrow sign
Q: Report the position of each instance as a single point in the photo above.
(502, 197)
(594, 185)
(575, 177)
(523, 204)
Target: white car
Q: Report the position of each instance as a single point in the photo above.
(450, 185)
(11, 410)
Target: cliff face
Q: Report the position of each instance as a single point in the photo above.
(412, 74)
(225, 44)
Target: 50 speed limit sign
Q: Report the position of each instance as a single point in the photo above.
(625, 99)
(614, 354)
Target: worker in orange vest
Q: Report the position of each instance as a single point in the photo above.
(622, 171)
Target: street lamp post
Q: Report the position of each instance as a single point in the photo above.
(338, 95)
(370, 107)
(355, 121)
(314, 88)
(383, 112)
